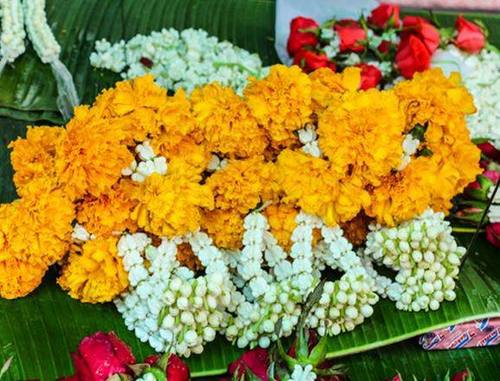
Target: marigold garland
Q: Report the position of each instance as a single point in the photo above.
(226, 156)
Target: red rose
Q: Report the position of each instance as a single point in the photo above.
(384, 46)
(385, 15)
(255, 360)
(177, 370)
(461, 376)
(298, 39)
(100, 356)
(370, 76)
(310, 61)
(493, 234)
(412, 56)
(351, 35)
(489, 150)
(423, 29)
(470, 37)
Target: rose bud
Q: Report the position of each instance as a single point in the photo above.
(370, 76)
(493, 234)
(412, 56)
(351, 35)
(177, 370)
(480, 188)
(490, 151)
(385, 15)
(310, 61)
(470, 211)
(397, 377)
(464, 375)
(384, 46)
(299, 38)
(470, 37)
(100, 356)
(423, 29)
(256, 361)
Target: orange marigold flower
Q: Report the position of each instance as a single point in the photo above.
(91, 157)
(281, 219)
(94, 273)
(362, 132)
(33, 159)
(134, 104)
(110, 212)
(242, 184)
(18, 278)
(170, 205)
(225, 227)
(281, 102)
(227, 123)
(328, 85)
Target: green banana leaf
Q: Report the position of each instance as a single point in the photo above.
(39, 331)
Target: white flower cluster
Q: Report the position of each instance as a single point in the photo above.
(12, 36)
(302, 373)
(148, 164)
(39, 31)
(427, 259)
(410, 147)
(167, 305)
(80, 234)
(185, 60)
(347, 302)
(309, 138)
(333, 48)
(278, 293)
(481, 75)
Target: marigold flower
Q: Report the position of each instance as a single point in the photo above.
(281, 102)
(33, 159)
(362, 133)
(281, 220)
(19, 278)
(227, 123)
(225, 227)
(110, 212)
(134, 104)
(170, 205)
(242, 184)
(328, 85)
(91, 156)
(94, 273)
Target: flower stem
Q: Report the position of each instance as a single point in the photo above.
(458, 229)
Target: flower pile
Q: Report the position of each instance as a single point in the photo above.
(217, 213)
(186, 59)
(386, 47)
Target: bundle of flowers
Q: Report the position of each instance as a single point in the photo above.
(387, 47)
(219, 214)
(185, 59)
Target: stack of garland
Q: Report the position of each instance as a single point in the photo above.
(218, 213)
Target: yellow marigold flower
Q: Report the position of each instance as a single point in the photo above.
(175, 122)
(225, 227)
(94, 273)
(36, 229)
(33, 159)
(91, 157)
(431, 97)
(281, 102)
(242, 184)
(362, 133)
(226, 122)
(19, 278)
(110, 212)
(281, 219)
(311, 184)
(170, 205)
(328, 85)
(404, 195)
(135, 104)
